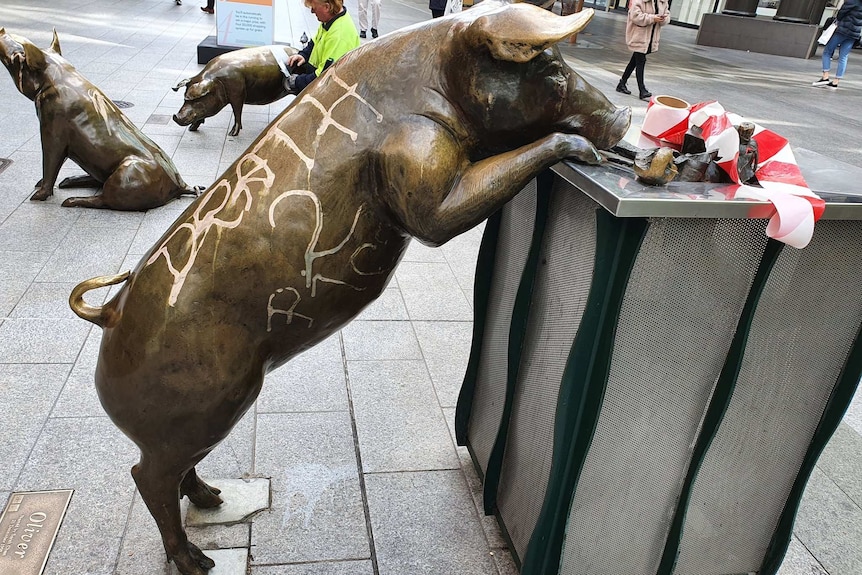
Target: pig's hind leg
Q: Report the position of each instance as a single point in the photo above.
(137, 184)
(159, 480)
(199, 493)
(84, 181)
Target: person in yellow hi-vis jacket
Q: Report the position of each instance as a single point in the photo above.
(335, 37)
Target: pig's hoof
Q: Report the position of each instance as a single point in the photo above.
(41, 196)
(195, 125)
(234, 131)
(199, 557)
(204, 496)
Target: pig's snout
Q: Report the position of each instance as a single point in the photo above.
(615, 129)
(183, 119)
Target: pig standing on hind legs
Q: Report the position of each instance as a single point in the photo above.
(423, 134)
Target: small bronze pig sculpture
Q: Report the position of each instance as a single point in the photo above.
(79, 122)
(424, 133)
(246, 76)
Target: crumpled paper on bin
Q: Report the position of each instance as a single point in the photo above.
(791, 207)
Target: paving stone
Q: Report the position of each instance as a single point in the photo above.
(45, 300)
(426, 277)
(106, 218)
(142, 551)
(27, 393)
(311, 381)
(419, 252)
(375, 340)
(446, 349)
(505, 563)
(440, 305)
(233, 457)
(389, 306)
(78, 397)
(798, 561)
(461, 253)
(398, 420)
(92, 457)
(425, 523)
(842, 461)
(36, 340)
(32, 230)
(11, 291)
(361, 567)
(317, 512)
(241, 499)
(21, 265)
(227, 562)
(829, 525)
(853, 417)
(87, 252)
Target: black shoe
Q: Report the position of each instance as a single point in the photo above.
(362, 33)
(621, 88)
(374, 33)
(645, 95)
(207, 10)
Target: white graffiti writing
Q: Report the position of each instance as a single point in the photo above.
(289, 312)
(310, 251)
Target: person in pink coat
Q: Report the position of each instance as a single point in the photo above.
(643, 30)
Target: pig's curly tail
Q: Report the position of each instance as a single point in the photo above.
(97, 315)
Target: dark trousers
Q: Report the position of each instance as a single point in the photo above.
(636, 65)
(436, 13)
(210, 4)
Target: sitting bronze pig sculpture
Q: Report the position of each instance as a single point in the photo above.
(246, 76)
(78, 121)
(424, 133)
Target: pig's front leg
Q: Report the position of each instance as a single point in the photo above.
(480, 188)
(53, 156)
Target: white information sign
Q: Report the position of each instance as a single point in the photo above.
(243, 23)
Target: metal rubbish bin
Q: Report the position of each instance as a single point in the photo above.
(652, 379)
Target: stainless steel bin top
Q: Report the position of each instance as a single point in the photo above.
(615, 188)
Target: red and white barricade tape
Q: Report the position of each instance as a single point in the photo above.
(792, 207)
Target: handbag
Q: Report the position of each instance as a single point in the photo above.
(827, 33)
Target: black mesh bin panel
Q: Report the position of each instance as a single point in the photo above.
(513, 245)
(559, 293)
(677, 319)
(790, 366)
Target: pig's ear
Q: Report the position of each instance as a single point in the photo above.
(520, 32)
(199, 90)
(34, 58)
(55, 44)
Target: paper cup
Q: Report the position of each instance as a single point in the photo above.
(666, 118)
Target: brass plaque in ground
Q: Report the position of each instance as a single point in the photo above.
(28, 527)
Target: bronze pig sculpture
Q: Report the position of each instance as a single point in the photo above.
(424, 133)
(79, 122)
(246, 76)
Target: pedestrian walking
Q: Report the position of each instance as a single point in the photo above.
(437, 7)
(210, 7)
(846, 34)
(643, 30)
(363, 17)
